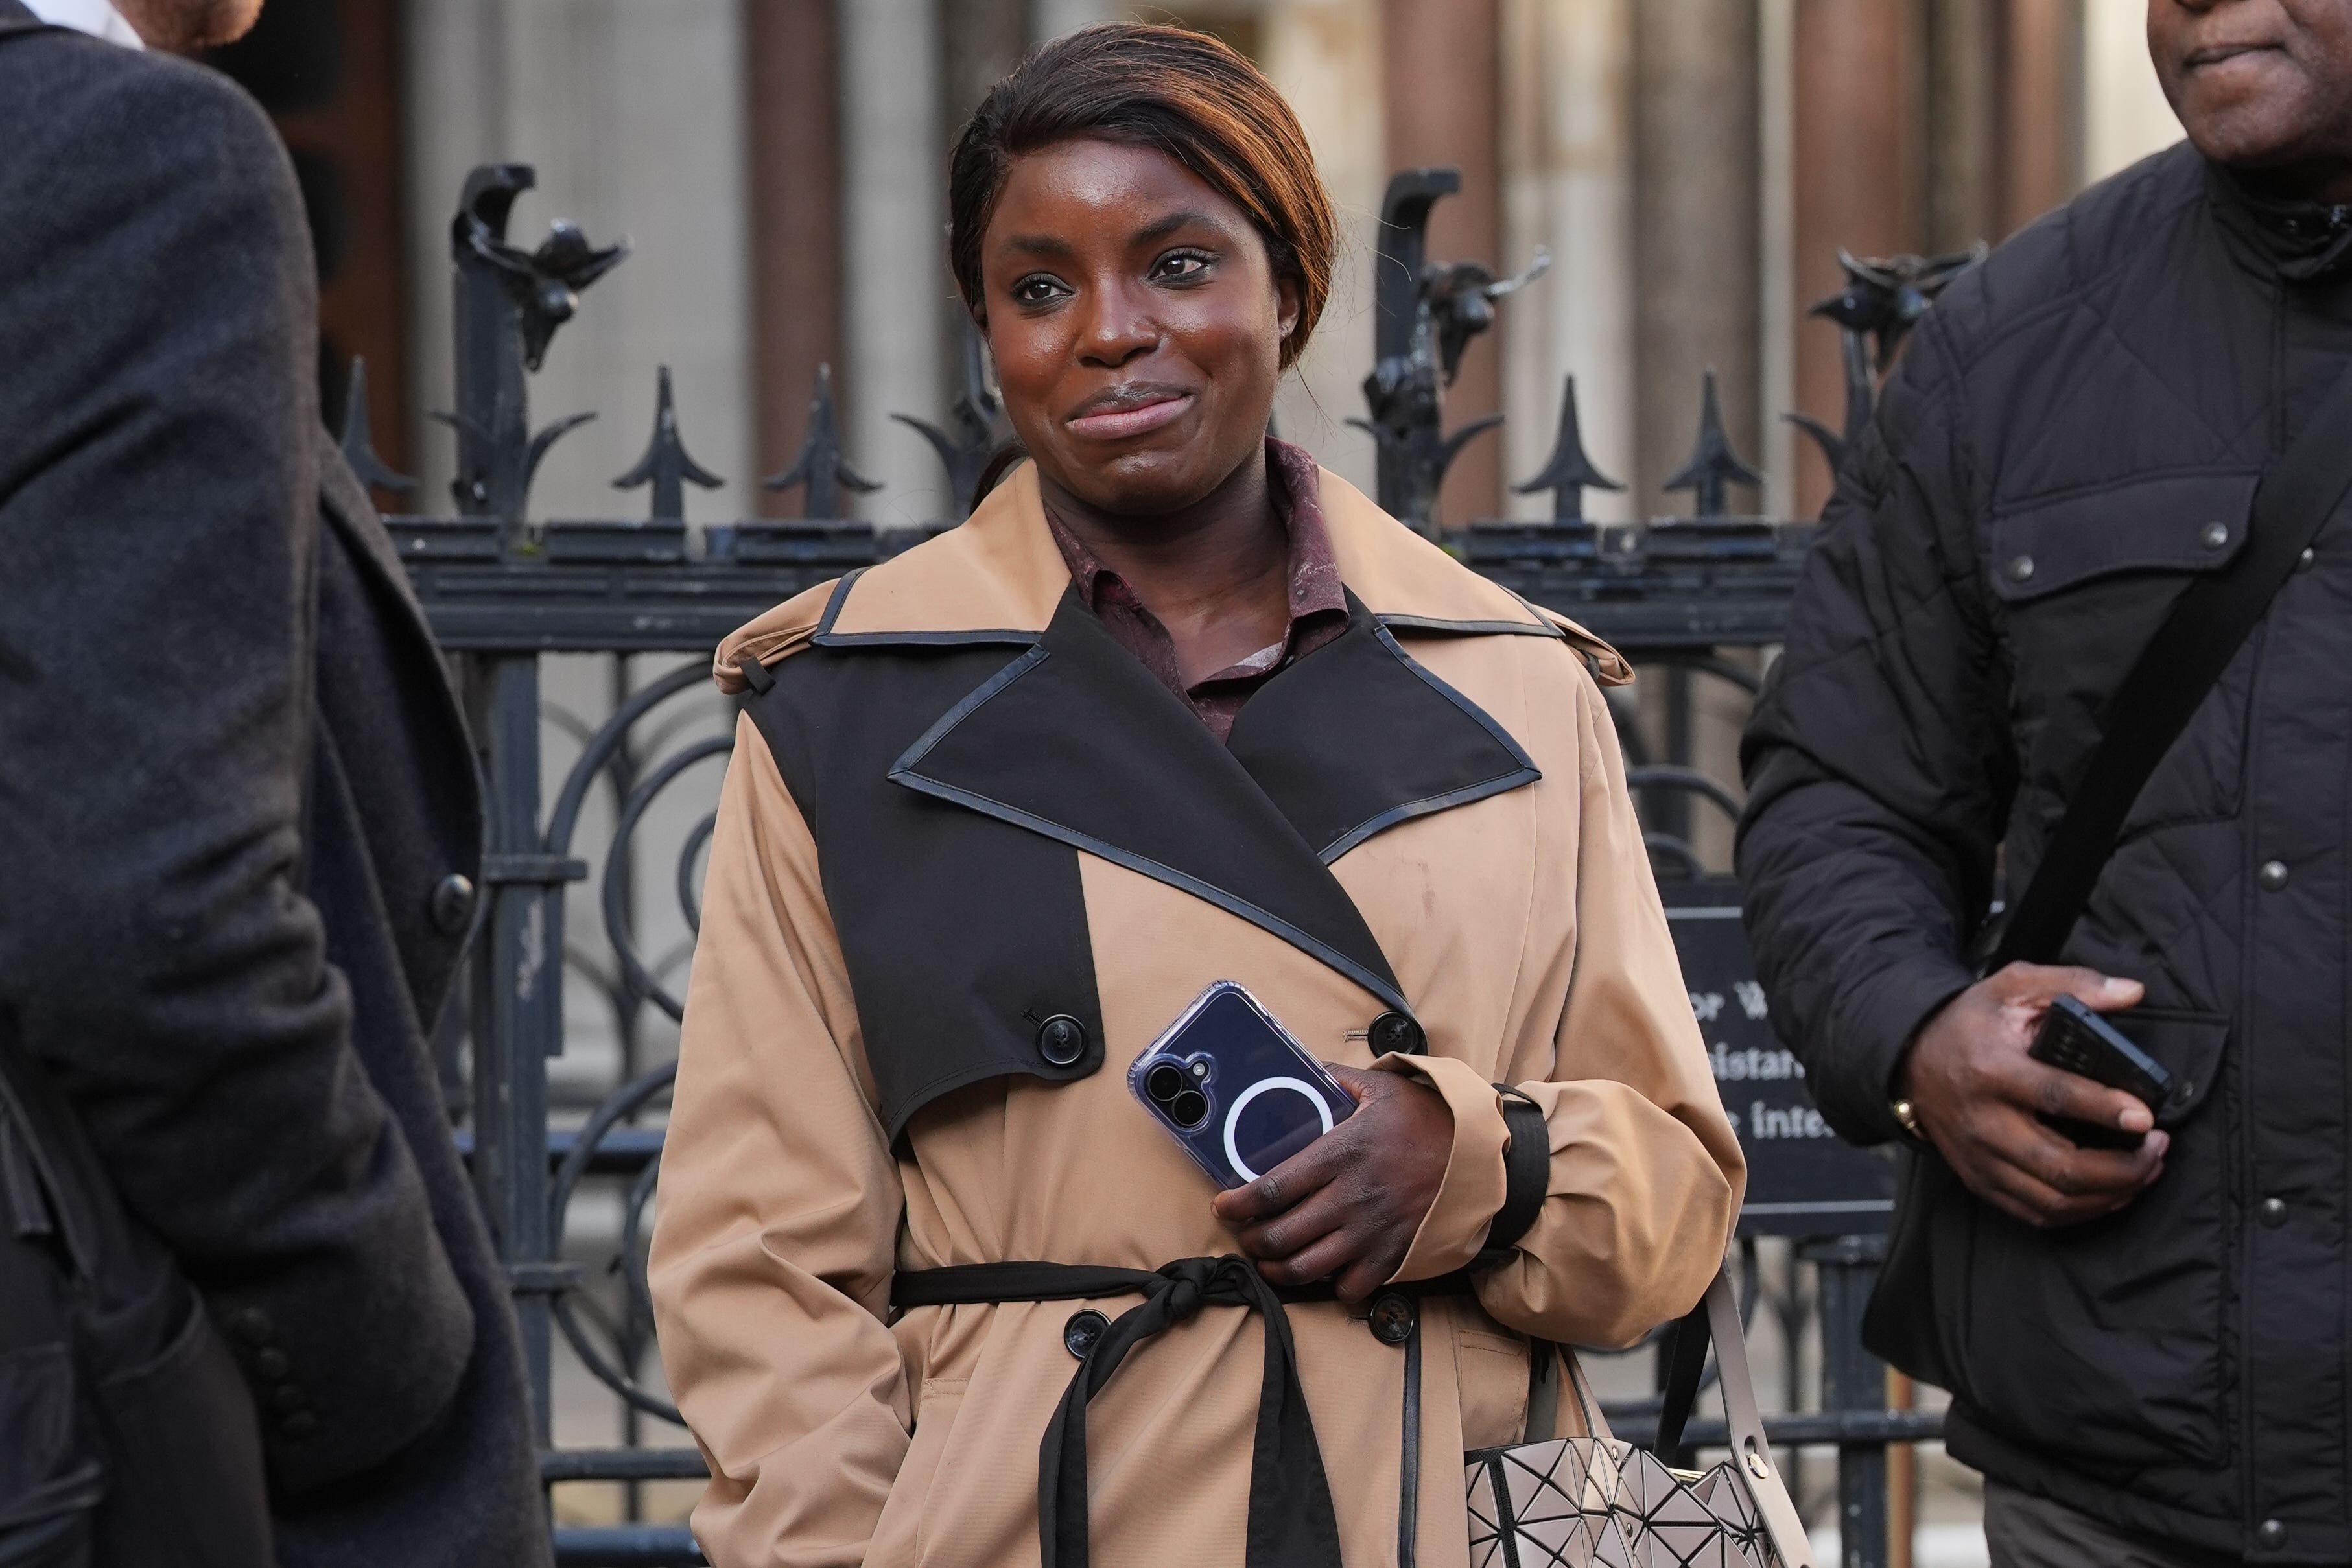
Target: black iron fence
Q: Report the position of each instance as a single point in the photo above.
(1693, 599)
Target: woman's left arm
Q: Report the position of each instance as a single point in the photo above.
(1647, 1172)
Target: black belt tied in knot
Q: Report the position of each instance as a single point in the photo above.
(1290, 1515)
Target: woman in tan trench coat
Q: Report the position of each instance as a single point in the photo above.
(1173, 706)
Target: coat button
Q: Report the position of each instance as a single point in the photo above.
(2303, 562)
(287, 1397)
(2273, 877)
(252, 1325)
(1392, 1318)
(1393, 1031)
(2213, 536)
(300, 1424)
(2022, 568)
(1079, 1334)
(2273, 1212)
(272, 1364)
(2272, 1533)
(453, 904)
(1061, 1039)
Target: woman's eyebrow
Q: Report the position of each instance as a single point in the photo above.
(1041, 245)
(1159, 228)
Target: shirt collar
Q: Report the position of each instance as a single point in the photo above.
(96, 18)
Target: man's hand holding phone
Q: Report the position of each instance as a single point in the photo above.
(1982, 1100)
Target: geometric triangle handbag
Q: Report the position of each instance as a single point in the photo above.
(1599, 1502)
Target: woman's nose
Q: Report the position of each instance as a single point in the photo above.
(1116, 331)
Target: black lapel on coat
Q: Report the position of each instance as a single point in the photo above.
(1076, 740)
(1357, 738)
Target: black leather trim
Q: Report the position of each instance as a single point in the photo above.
(1081, 745)
(827, 637)
(1432, 626)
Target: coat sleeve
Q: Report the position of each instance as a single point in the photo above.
(1879, 761)
(1646, 1173)
(780, 1212)
(159, 519)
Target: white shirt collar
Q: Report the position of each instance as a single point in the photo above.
(96, 18)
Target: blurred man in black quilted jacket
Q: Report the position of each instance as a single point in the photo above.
(2147, 1349)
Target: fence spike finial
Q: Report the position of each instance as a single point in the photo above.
(1569, 470)
(965, 452)
(1713, 464)
(820, 469)
(357, 438)
(665, 466)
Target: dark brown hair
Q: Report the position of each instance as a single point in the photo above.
(1179, 92)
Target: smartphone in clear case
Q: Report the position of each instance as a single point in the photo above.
(1230, 1085)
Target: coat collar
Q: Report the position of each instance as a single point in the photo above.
(14, 17)
(1073, 739)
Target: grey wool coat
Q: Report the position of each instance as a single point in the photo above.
(231, 779)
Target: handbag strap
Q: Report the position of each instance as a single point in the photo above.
(2207, 625)
(1717, 1318)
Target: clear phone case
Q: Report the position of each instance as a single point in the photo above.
(1231, 1086)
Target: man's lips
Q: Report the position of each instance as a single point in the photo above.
(1131, 415)
(2216, 54)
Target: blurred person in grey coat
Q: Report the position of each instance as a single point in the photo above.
(239, 835)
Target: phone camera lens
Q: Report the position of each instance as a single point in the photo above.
(1189, 1109)
(1164, 1082)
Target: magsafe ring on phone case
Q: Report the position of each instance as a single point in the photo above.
(1231, 1086)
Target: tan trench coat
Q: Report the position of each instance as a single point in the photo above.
(1523, 928)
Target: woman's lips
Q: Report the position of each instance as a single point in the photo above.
(1119, 423)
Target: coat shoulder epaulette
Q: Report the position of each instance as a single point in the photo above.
(1608, 665)
(778, 633)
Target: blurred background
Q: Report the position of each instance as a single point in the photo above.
(1692, 168)
(1691, 165)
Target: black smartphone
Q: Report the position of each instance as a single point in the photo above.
(2075, 1039)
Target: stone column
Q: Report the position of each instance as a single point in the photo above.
(1695, 228)
(1568, 166)
(2039, 78)
(796, 221)
(895, 287)
(1858, 167)
(1442, 91)
(2125, 115)
(1325, 58)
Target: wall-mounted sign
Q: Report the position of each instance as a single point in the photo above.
(1803, 1179)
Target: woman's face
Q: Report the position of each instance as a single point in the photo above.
(1136, 322)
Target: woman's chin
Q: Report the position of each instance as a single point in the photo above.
(1140, 484)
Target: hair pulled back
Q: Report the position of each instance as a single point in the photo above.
(1177, 91)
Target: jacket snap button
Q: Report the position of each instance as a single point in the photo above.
(1061, 1039)
(2272, 1533)
(2021, 568)
(453, 904)
(2303, 562)
(300, 1424)
(1078, 1336)
(2273, 1212)
(2214, 536)
(272, 1364)
(1392, 1318)
(1393, 1031)
(2273, 877)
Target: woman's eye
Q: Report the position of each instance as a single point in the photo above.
(1179, 265)
(1037, 290)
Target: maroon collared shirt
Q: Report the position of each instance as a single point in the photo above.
(1318, 605)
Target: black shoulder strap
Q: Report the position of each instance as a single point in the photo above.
(2207, 626)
